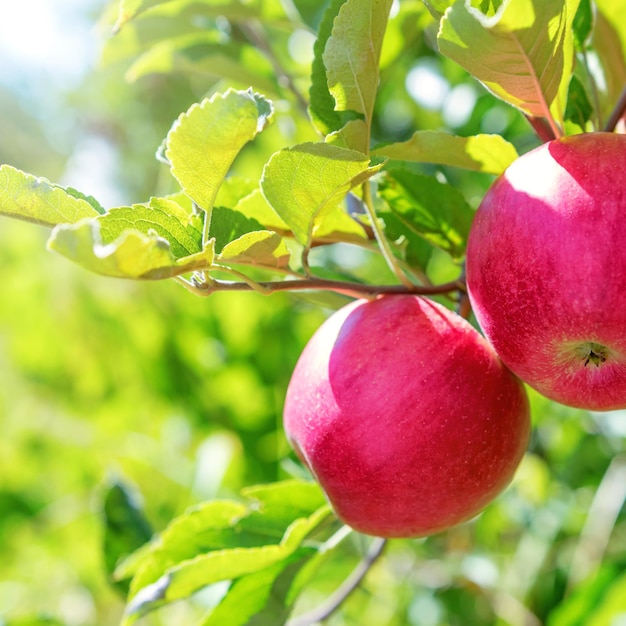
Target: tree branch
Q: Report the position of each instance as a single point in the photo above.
(311, 284)
(326, 609)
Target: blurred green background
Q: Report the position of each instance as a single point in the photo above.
(179, 398)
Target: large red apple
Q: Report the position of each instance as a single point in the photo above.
(546, 269)
(406, 416)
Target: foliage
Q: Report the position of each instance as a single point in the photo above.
(312, 154)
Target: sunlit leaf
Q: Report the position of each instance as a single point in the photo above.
(132, 254)
(128, 9)
(322, 104)
(254, 206)
(523, 52)
(199, 53)
(262, 247)
(37, 200)
(205, 140)
(352, 52)
(434, 210)
(306, 182)
(482, 153)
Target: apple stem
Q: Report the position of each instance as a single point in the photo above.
(325, 610)
(542, 128)
(358, 290)
(617, 114)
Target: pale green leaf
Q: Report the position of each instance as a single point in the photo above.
(352, 54)
(204, 141)
(354, 135)
(306, 182)
(198, 53)
(436, 211)
(262, 247)
(255, 206)
(128, 9)
(132, 254)
(25, 197)
(523, 53)
(155, 241)
(482, 153)
(337, 225)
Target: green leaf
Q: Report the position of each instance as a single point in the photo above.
(25, 197)
(125, 526)
(482, 153)
(305, 183)
(222, 524)
(583, 24)
(254, 206)
(187, 577)
(228, 225)
(262, 247)
(579, 109)
(204, 141)
(198, 53)
(523, 53)
(351, 57)
(152, 242)
(415, 249)
(434, 210)
(263, 596)
(321, 102)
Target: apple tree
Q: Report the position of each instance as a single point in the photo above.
(340, 151)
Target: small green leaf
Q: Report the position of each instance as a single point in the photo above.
(262, 247)
(305, 183)
(228, 225)
(322, 103)
(583, 24)
(415, 249)
(132, 254)
(579, 109)
(523, 52)
(25, 197)
(351, 57)
(254, 206)
(204, 141)
(482, 153)
(434, 210)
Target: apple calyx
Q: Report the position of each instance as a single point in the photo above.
(592, 353)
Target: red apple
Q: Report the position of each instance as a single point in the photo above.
(406, 416)
(546, 269)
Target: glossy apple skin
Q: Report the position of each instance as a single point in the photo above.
(546, 269)
(405, 416)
